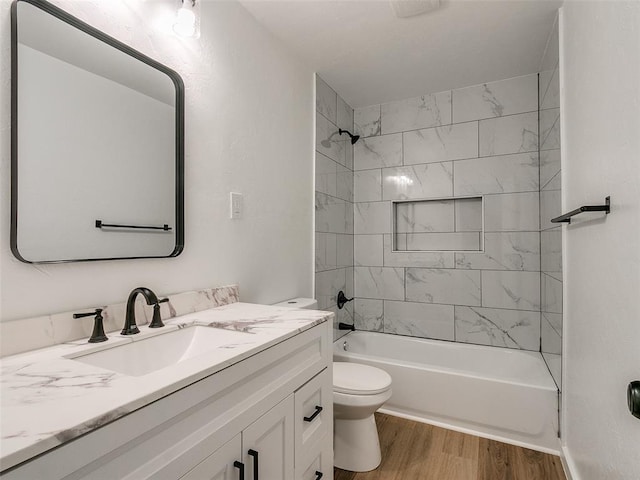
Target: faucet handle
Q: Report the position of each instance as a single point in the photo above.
(98, 334)
(156, 321)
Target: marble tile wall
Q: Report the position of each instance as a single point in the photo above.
(550, 206)
(480, 141)
(46, 331)
(334, 222)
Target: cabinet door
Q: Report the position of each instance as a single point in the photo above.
(220, 464)
(268, 444)
(320, 467)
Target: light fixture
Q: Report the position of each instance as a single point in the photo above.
(187, 21)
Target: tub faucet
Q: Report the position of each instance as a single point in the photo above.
(346, 326)
(130, 327)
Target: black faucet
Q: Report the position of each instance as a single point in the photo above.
(130, 327)
(346, 326)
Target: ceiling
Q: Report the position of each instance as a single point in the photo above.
(370, 56)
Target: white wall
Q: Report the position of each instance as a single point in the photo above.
(249, 129)
(600, 78)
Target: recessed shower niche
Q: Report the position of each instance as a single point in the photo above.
(452, 224)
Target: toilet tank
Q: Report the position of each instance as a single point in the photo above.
(300, 302)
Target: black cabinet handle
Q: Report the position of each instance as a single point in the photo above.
(315, 414)
(239, 466)
(318, 475)
(254, 454)
(633, 398)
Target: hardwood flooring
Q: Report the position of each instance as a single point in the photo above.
(417, 451)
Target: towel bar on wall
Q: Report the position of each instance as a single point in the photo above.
(566, 218)
(165, 227)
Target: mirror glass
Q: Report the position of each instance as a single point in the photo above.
(97, 150)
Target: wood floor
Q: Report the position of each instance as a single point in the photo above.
(417, 451)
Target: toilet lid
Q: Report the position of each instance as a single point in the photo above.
(359, 379)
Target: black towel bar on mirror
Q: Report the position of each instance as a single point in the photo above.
(165, 227)
(566, 218)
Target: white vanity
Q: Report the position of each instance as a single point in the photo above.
(259, 402)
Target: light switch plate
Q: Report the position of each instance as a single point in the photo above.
(236, 205)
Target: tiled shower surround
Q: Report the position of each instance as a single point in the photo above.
(480, 141)
(550, 206)
(334, 202)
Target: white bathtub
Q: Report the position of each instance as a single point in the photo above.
(498, 393)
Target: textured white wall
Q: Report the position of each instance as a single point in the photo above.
(249, 129)
(600, 75)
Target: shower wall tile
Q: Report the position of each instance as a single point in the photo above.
(348, 157)
(555, 320)
(326, 251)
(512, 290)
(452, 287)
(550, 129)
(368, 250)
(368, 315)
(377, 152)
(328, 284)
(497, 327)
(549, 166)
(550, 207)
(372, 217)
(454, 241)
(496, 99)
(349, 291)
(551, 342)
(450, 142)
(504, 251)
(551, 252)
(419, 320)
(510, 134)
(344, 183)
(367, 121)
(414, 217)
(551, 294)
(326, 100)
(415, 259)
(379, 283)
(328, 142)
(344, 250)
(333, 215)
(367, 185)
(554, 363)
(416, 113)
(501, 174)
(418, 181)
(511, 212)
(550, 98)
(344, 116)
(326, 175)
(468, 213)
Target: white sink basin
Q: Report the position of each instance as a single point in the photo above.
(147, 355)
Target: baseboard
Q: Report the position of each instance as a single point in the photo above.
(471, 431)
(568, 464)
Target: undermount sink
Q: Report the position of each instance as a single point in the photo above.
(147, 355)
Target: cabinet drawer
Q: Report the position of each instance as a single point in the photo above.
(318, 464)
(313, 412)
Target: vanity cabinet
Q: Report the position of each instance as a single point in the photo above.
(277, 403)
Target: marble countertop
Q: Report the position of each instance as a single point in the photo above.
(47, 399)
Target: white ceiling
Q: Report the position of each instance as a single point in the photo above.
(370, 56)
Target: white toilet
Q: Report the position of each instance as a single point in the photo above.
(358, 391)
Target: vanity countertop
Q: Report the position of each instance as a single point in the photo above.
(48, 399)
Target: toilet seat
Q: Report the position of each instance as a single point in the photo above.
(357, 379)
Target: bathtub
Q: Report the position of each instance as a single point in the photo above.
(498, 393)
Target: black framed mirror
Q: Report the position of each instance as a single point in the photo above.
(97, 144)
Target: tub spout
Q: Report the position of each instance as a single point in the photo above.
(346, 326)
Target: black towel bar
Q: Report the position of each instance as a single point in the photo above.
(100, 224)
(566, 218)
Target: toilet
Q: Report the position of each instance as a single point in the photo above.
(358, 391)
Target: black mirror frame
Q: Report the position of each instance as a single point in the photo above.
(179, 145)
